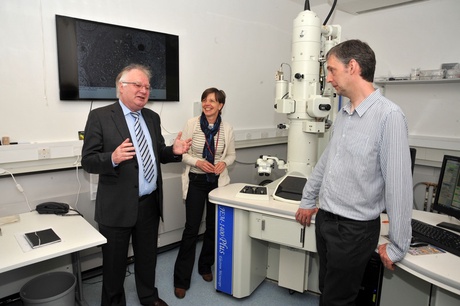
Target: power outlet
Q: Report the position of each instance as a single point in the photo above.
(44, 153)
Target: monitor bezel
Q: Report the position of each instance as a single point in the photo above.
(68, 65)
(448, 210)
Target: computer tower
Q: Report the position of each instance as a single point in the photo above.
(371, 286)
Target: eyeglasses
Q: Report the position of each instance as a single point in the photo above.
(139, 86)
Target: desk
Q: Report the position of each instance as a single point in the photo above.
(75, 232)
(279, 226)
(418, 275)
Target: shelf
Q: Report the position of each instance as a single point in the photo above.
(408, 82)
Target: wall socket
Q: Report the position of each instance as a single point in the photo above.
(44, 153)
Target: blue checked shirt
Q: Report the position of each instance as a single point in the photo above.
(366, 168)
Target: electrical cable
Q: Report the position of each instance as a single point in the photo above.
(244, 163)
(18, 186)
(290, 73)
(161, 124)
(330, 12)
(78, 180)
(290, 69)
(70, 215)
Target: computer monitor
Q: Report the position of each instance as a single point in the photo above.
(447, 199)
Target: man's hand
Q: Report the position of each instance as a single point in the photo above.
(123, 152)
(303, 216)
(384, 257)
(181, 146)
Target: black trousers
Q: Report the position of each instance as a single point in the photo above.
(344, 247)
(144, 236)
(197, 200)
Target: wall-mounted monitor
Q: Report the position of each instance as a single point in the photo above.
(91, 54)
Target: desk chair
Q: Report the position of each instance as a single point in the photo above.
(430, 194)
(430, 189)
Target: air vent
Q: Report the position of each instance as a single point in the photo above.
(364, 6)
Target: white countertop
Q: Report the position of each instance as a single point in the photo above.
(442, 270)
(75, 232)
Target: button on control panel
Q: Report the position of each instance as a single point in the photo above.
(253, 192)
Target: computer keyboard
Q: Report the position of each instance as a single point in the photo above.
(436, 236)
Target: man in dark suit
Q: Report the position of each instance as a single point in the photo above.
(129, 198)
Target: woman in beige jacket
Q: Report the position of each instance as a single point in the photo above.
(212, 151)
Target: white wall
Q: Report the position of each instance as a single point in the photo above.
(233, 45)
(419, 35)
(236, 45)
(422, 34)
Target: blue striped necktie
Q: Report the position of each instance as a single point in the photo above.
(143, 148)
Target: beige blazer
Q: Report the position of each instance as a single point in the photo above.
(228, 156)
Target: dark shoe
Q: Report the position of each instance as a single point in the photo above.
(160, 302)
(179, 293)
(207, 277)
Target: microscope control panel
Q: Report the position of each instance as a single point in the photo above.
(253, 192)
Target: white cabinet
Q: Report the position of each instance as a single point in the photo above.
(283, 231)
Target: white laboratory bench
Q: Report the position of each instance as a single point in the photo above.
(75, 232)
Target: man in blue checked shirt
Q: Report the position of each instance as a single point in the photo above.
(365, 170)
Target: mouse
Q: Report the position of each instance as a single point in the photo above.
(417, 243)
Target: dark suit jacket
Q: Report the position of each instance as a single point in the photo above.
(118, 188)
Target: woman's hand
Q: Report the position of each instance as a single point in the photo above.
(205, 166)
(220, 167)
